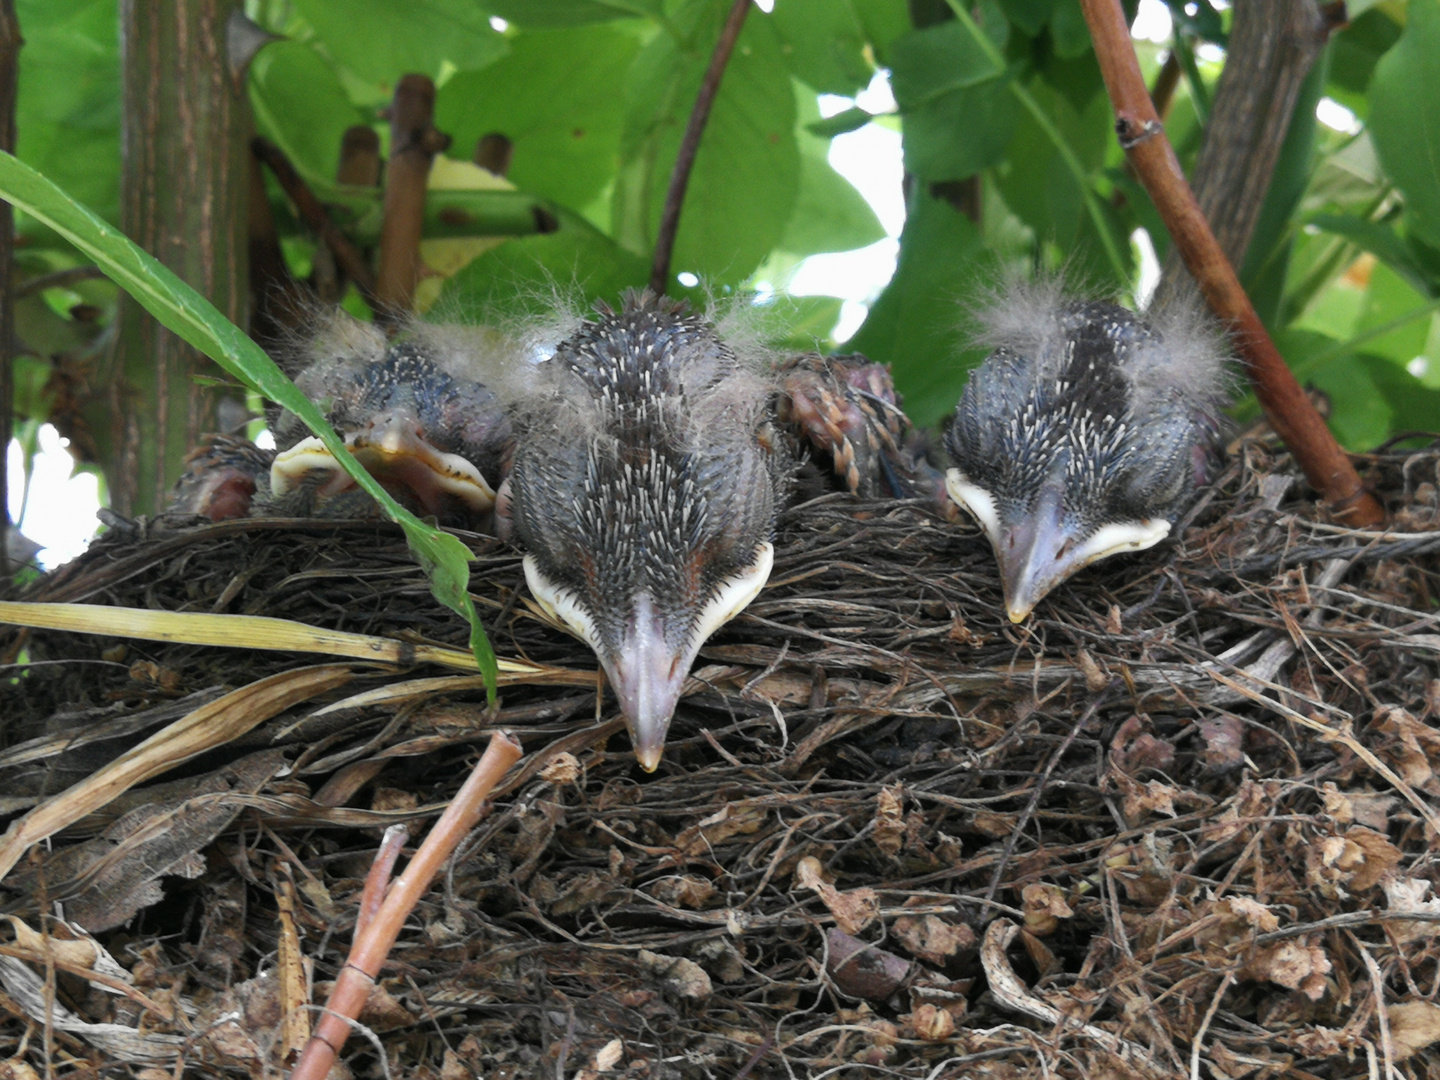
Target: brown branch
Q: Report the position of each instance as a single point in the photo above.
(277, 300)
(312, 211)
(1150, 153)
(10, 43)
(690, 144)
(414, 142)
(375, 938)
(58, 279)
(359, 166)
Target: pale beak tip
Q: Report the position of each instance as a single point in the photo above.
(649, 757)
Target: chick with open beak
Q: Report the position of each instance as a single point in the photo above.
(643, 493)
(414, 414)
(1083, 435)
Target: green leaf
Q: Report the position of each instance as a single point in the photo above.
(742, 189)
(525, 276)
(825, 42)
(1033, 179)
(379, 40)
(915, 324)
(840, 123)
(1360, 415)
(553, 96)
(830, 215)
(937, 61)
(1353, 54)
(1396, 314)
(1068, 32)
(803, 322)
(555, 14)
(67, 114)
(193, 318)
(1384, 243)
(959, 112)
(1405, 117)
(301, 105)
(1029, 15)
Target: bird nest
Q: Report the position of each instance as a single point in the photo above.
(1185, 814)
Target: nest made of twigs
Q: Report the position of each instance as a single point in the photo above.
(1196, 788)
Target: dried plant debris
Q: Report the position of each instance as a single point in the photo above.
(1179, 823)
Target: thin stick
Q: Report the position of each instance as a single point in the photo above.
(1151, 155)
(372, 944)
(690, 144)
(312, 211)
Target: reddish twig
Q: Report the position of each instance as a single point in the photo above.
(312, 211)
(1150, 153)
(414, 142)
(690, 144)
(375, 938)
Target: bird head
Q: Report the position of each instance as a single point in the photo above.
(222, 478)
(643, 494)
(1083, 435)
(434, 436)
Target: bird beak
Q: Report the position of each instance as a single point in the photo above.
(1039, 550)
(394, 451)
(648, 674)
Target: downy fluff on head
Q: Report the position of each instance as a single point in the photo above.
(414, 409)
(1084, 433)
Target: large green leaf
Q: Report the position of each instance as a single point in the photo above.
(554, 97)
(193, 318)
(379, 40)
(551, 14)
(67, 113)
(1033, 179)
(958, 109)
(301, 105)
(1353, 54)
(526, 275)
(742, 189)
(826, 41)
(830, 215)
(1405, 117)
(916, 326)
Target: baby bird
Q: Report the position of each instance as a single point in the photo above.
(849, 412)
(224, 477)
(644, 493)
(1083, 435)
(414, 414)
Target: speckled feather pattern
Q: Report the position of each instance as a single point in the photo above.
(1119, 409)
(456, 415)
(655, 477)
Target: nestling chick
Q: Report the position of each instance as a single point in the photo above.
(412, 412)
(644, 494)
(848, 410)
(224, 477)
(1082, 435)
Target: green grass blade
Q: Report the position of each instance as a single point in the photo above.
(189, 315)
